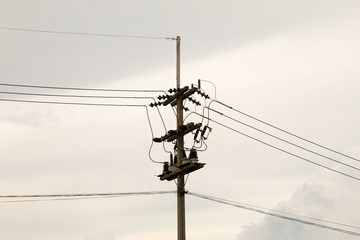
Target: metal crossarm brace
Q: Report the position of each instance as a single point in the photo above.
(186, 95)
(175, 96)
(184, 129)
(172, 134)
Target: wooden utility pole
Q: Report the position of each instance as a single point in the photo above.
(180, 148)
(181, 164)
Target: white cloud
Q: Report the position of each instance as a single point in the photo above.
(326, 196)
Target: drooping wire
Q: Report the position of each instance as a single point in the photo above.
(89, 96)
(95, 104)
(280, 149)
(246, 207)
(152, 137)
(163, 122)
(287, 132)
(281, 139)
(84, 33)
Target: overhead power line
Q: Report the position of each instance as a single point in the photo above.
(73, 96)
(81, 89)
(287, 132)
(84, 33)
(277, 148)
(85, 194)
(239, 205)
(75, 196)
(281, 139)
(72, 103)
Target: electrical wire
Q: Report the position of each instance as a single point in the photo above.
(202, 80)
(84, 33)
(280, 149)
(80, 89)
(72, 103)
(186, 179)
(90, 96)
(77, 196)
(283, 140)
(163, 122)
(74, 96)
(280, 129)
(238, 205)
(287, 132)
(292, 214)
(152, 134)
(95, 104)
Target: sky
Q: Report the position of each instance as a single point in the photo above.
(293, 64)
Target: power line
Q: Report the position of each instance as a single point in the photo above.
(292, 214)
(238, 205)
(287, 132)
(89, 104)
(85, 33)
(80, 89)
(73, 96)
(75, 196)
(279, 149)
(281, 139)
(98, 105)
(73, 103)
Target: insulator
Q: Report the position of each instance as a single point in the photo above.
(205, 132)
(170, 90)
(197, 136)
(166, 167)
(158, 140)
(175, 159)
(171, 159)
(193, 154)
(186, 109)
(184, 154)
(151, 105)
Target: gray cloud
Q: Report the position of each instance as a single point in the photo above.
(206, 29)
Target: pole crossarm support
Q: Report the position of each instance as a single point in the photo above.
(174, 97)
(184, 169)
(186, 95)
(184, 129)
(173, 134)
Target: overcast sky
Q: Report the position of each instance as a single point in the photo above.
(294, 64)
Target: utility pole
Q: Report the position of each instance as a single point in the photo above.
(180, 147)
(180, 165)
